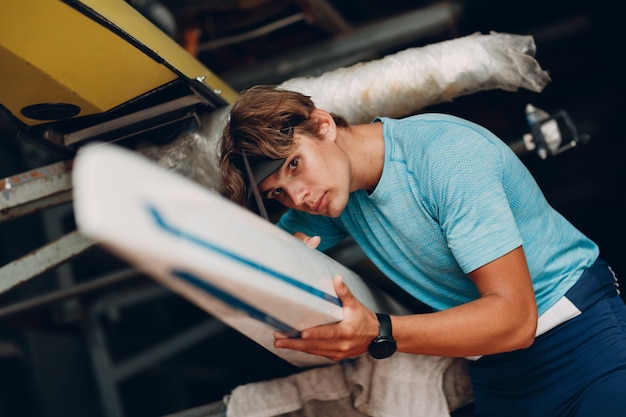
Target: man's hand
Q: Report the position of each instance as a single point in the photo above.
(311, 241)
(347, 339)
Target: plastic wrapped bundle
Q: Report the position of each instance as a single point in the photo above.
(194, 153)
(394, 86)
(410, 80)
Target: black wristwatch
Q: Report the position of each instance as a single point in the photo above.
(384, 345)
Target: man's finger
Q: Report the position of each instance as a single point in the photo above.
(310, 241)
(342, 290)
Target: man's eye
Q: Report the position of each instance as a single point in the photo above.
(293, 163)
(276, 193)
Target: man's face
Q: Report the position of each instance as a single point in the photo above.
(315, 178)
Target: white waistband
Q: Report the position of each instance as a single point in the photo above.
(562, 311)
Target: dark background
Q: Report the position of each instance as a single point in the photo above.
(54, 356)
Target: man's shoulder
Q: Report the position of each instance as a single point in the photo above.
(426, 122)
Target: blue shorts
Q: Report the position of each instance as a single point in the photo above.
(575, 369)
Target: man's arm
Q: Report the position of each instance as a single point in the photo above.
(503, 319)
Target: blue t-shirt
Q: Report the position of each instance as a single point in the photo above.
(453, 197)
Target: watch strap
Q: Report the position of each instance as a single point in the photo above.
(384, 326)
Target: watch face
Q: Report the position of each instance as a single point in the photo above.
(382, 348)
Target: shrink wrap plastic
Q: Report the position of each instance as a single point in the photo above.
(410, 80)
(394, 86)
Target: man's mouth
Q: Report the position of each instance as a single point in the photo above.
(319, 204)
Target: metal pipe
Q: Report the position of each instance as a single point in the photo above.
(43, 259)
(73, 291)
(263, 30)
(349, 48)
(33, 190)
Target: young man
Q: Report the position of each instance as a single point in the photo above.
(447, 211)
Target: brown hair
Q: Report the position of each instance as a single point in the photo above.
(261, 122)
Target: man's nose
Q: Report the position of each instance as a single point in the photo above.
(298, 193)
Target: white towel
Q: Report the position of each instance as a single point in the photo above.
(403, 385)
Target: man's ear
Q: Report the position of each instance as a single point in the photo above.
(326, 124)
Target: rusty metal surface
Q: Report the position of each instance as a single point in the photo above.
(42, 259)
(36, 189)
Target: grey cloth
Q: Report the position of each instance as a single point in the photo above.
(403, 385)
